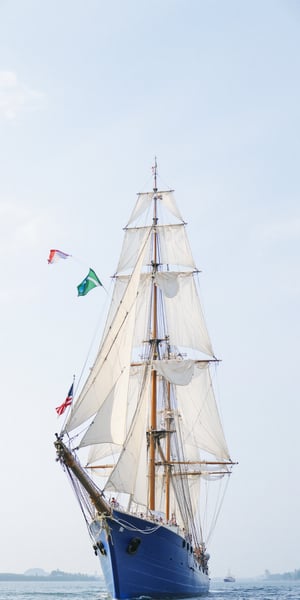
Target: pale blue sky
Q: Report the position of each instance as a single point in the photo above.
(89, 93)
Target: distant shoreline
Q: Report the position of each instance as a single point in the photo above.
(58, 577)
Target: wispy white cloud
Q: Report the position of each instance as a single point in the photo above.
(15, 96)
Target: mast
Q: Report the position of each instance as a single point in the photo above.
(153, 408)
(168, 453)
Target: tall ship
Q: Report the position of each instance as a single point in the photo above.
(151, 438)
(229, 578)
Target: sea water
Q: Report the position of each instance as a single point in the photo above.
(95, 590)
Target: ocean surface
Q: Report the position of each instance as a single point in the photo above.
(95, 590)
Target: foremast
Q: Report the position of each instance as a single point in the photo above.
(154, 434)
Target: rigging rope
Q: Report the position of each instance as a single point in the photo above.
(129, 527)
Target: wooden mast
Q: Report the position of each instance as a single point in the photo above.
(168, 452)
(153, 410)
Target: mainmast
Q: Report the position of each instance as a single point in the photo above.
(168, 451)
(154, 437)
(154, 342)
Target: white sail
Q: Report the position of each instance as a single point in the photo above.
(174, 248)
(166, 199)
(114, 355)
(169, 202)
(187, 332)
(114, 417)
(175, 371)
(109, 423)
(202, 427)
(130, 474)
(167, 282)
(142, 205)
(196, 416)
(189, 329)
(133, 240)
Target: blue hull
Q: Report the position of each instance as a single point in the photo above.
(141, 558)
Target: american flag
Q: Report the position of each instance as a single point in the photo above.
(68, 401)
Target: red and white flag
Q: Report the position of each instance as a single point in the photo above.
(56, 255)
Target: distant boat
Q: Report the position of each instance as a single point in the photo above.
(150, 417)
(229, 578)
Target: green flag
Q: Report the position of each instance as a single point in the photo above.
(90, 281)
